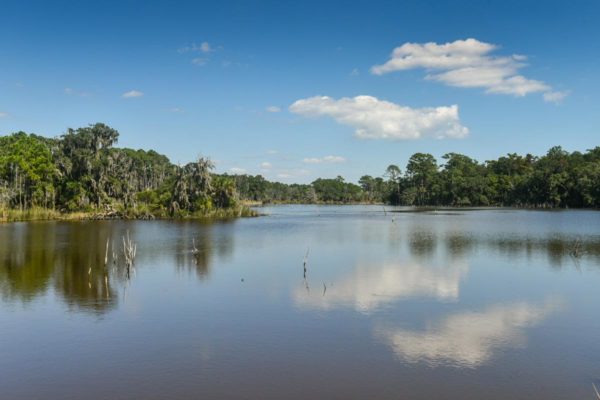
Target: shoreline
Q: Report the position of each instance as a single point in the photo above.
(42, 214)
(244, 211)
(426, 207)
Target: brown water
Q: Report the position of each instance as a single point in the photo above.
(453, 304)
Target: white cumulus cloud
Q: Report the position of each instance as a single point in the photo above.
(465, 63)
(334, 159)
(379, 119)
(132, 94)
(326, 159)
(311, 160)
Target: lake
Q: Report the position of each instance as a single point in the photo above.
(307, 302)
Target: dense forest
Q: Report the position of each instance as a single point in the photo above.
(557, 179)
(82, 171)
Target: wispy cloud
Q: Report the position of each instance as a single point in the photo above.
(465, 63)
(199, 61)
(72, 92)
(203, 47)
(4, 114)
(324, 160)
(273, 109)
(132, 94)
(266, 165)
(286, 174)
(237, 171)
(555, 97)
(202, 51)
(378, 119)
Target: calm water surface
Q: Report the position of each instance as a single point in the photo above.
(453, 304)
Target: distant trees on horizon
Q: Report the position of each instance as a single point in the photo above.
(558, 179)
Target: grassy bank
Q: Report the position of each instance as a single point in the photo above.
(32, 214)
(44, 214)
(224, 213)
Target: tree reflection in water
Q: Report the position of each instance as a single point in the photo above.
(67, 257)
(200, 242)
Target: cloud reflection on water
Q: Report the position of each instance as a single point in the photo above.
(468, 339)
(370, 287)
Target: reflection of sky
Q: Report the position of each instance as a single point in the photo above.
(468, 339)
(370, 287)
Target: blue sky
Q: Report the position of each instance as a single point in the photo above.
(272, 87)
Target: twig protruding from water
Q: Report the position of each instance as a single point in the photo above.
(129, 251)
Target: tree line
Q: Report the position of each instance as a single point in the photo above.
(82, 170)
(558, 179)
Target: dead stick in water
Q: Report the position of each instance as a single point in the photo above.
(306, 255)
(305, 261)
(596, 390)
